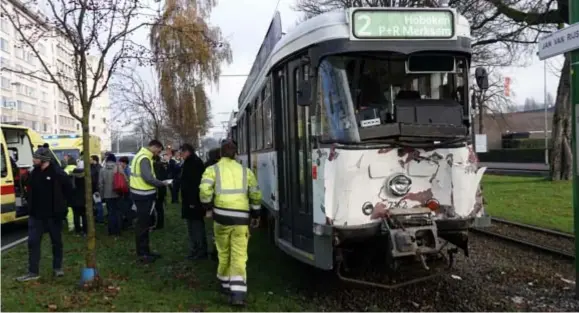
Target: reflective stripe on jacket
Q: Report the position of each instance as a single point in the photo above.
(237, 194)
(69, 168)
(137, 184)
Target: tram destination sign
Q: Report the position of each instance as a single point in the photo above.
(402, 24)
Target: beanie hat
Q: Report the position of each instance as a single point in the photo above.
(42, 154)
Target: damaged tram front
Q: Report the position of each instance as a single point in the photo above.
(390, 131)
(357, 124)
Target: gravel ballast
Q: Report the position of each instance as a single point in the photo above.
(496, 277)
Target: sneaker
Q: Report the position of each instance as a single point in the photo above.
(148, 258)
(28, 277)
(58, 272)
(155, 255)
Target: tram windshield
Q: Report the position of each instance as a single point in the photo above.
(358, 88)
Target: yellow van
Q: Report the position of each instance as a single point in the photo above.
(16, 149)
(71, 145)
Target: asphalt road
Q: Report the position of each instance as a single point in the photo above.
(13, 234)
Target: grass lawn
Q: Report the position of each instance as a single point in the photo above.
(530, 200)
(170, 284)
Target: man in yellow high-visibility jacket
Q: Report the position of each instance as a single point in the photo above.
(236, 205)
(143, 187)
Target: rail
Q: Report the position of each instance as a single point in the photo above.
(529, 243)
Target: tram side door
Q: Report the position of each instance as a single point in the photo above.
(294, 158)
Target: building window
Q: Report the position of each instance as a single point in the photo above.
(41, 49)
(4, 45)
(4, 62)
(6, 83)
(94, 129)
(19, 52)
(5, 26)
(93, 117)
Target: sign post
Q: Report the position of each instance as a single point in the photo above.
(574, 20)
(566, 40)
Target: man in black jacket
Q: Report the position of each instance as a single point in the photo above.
(192, 210)
(49, 187)
(161, 168)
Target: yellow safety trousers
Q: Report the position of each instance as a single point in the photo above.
(70, 219)
(231, 243)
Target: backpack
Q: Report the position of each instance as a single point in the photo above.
(119, 183)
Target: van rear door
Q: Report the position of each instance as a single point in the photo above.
(7, 192)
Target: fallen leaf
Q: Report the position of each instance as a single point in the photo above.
(568, 281)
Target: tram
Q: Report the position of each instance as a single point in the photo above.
(357, 124)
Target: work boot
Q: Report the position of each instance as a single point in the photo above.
(237, 302)
(223, 290)
(28, 277)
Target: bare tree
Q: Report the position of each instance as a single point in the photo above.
(493, 101)
(140, 101)
(95, 36)
(550, 14)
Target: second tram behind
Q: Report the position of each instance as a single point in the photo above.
(357, 123)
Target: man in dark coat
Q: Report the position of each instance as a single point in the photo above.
(161, 168)
(95, 169)
(213, 157)
(49, 187)
(192, 210)
(77, 202)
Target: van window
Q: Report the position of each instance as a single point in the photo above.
(3, 162)
(18, 142)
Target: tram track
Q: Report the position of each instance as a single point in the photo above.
(546, 240)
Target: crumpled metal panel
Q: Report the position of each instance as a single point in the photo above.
(347, 179)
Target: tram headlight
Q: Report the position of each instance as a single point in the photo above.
(367, 208)
(399, 185)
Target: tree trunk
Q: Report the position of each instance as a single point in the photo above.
(91, 232)
(561, 160)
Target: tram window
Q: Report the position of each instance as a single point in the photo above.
(252, 124)
(267, 116)
(259, 120)
(242, 133)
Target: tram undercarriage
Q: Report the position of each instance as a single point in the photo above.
(399, 250)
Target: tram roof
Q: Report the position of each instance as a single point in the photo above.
(324, 27)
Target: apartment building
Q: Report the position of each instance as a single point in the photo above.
(34, 102)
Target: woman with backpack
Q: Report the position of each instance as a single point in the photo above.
(111, 179)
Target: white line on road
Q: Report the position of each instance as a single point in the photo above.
(13, 244)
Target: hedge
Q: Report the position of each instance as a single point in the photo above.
(513, 156)
(528, 143)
